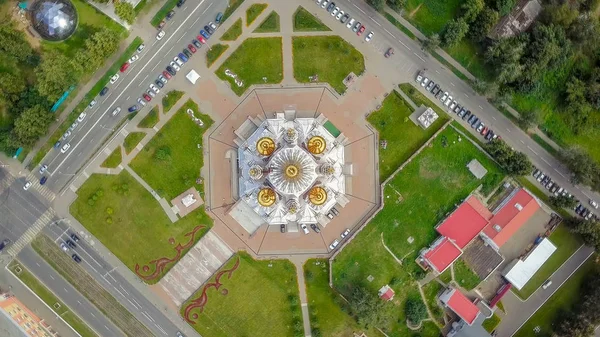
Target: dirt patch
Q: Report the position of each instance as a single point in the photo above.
(22, 24)
(415, 11)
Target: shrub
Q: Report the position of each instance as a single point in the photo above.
(109, 211)
(415, 310)
(109, 220)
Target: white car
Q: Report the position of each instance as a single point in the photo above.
(154, 88)
(160, 35)
(178, 61)
(369, 36)
(162, 79)
(114, 78)
(151, 93)
(43, 168)
(64, 247)
(92, 103)
(134, 58)
(425, 81)
(304, 228)
(319, 2)
(350, 23)
(444, 96)
(140, 48)
(27, 185)
(212, 25)
(324, 3)
(594, 203)
(81, 117)
(335, 11)
(419, 78)
(334, 244)
(116, 111)
(175, 66)
(453, 105)
(448, 100)
(339, 15)
(65, 148)
(66, 135)
(345, 233)
(141, 101)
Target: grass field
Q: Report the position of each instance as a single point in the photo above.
(261, 300)
(329, 57)
(402, 135)
(114, 159)
(566, 244)
(430, 16)
(132, 140)
(470, 56)
(85, 101)
(233, 32)
(88, 287)
(233, 5)
(170, 99)
(562, 300)
(172, 160)
(213, 54)
(127, 219)
(269, 25)
(254, 60)
(464, 276)
(51, 300)
(150, 120)
(253, 12)
(304, 21)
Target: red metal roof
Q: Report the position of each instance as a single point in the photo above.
(514, 214)
(463, 307)
(442, 254)
(465, 222)
(388, 295)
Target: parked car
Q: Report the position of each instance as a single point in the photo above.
(65, 148)
(339, 15)
(480, 127)
(104, 91)
(430, 85)
(160, 35)
(81, 117)
(219, 17)
(133, 108)
(389, 52)
(151, 93)
(350, 23)
(43, 168)
(282, 228)
(315, 228)
(356, 27)
(204, 34)
(114, 78)
(424, 82)
(304, 228)
(448, 101)
(74, 237)
(187, 54)
(180, 3)
(174, 66)
(593, 203)
(27, 185)
(475, 123)
(436, 89)
(161, 24)
(489, 135)
(192, 48)
(541, 177)
(71, 244)
(444, 97)
(43, 180)
(116, 111)
(197, 44)
(171, 71)
(76, 258)
(201, 39)
(154, 88)
(64, 247)
(162, 79)
(159, 84)
(484, 131)
(361, 30)
(334, 244)
(212, 26)
(170, 15)
(178, 62)
(180, 59)
(92, 103)
(467, 115)
(546, 284)
(345, 18)
(147, 97)
(124, 67)
(133, 58)
(141, 101)
(345, 233)
(209, 29)
(369, 36)
(140, 48)
(452, 105)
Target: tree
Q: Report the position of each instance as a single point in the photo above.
(563, 201)
(548, 48)
(588, 230)
(563, 15)
(585, 32)
(514, 163)
(471, 9)
(125, 11)
(415, 310)
(528, 118)
(98, 48)
(396, 5)
(583, 167)
(454, 32)
(481, 27)
(505, 57)
(377, 4)
(505, 6)
(431, 44)
(369, 310)
(11, 86)
(31, 125)
(55, 75)
(575, 91)
(13, 42)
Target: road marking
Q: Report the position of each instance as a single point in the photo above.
(389, 33)
(374, 21)
(545, 161)
(145, 78)
(193, 23)
(557, 171)
(155, 66)
(128, 97)
(91, 313)
(494, 118)
(184, 8)
(359, 9)
(586, 195)
(180, 38)
(404, 44)
(107, 328)
(38, 264)
(522, 142)
(170, 50)
(161, 329)
(65, 290)
(533, 151)
(207, 9)
(52, 277)
(437, 71)
(79, 303)
(148, 316)
(466, 96)
(452, 84)
(480, 107)
(422, 59)
(130, 83)
(507, 129)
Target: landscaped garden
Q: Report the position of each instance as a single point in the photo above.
(170, 99)
(127, 219)
(269, 25)
(432, 290)
(233, 32)
(402, 135)
(213, 54)
(253, 12)
(330, 58)
(464, 276)
(150, 120)
(132, 140)
(304, 21)
(256, 61)
(247, 297)
(172, 160)
(114, 159)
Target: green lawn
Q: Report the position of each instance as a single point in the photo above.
(127, 219)
(464, 276)
(150, 120)
(132, 140)
(259, 298)
(170, 99)
(430, 16)
(50, 299)
(470, 56)
(269, 25)
(253, 12)
(233, 5)
(562, 300)
(233, 32)
(402, 135)
(491, 323)
(566, 244)
(114, 159)
(304, 21)
(162, 12)
(256, 61)
(431, 291)
(329, 57)
(85, 101)
(172, 160)
(213, 54)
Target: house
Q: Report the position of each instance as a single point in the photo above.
(520, 271)
(386, 293)
(442, 253)
(456, 301)
(518, 20)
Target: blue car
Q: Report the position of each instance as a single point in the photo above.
(205, 34)
(183, 57)
(43, 180)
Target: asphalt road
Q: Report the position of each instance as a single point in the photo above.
(409, 58)
(110, 279)
(67, 293)
(99, 122)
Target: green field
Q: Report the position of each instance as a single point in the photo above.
(150, 120)
(253, 12)
(470, 56)
(132, 140)
(430, 16)
(231, 7)
(213, 54)
(259, 298)
(331, 58)
(256, 61)
(170, 99)
(491, 323)
(556, 306)
(172, 160)
(233, 32)
(270, 24)
(402, 135)
(304, 21)
(114, 159)
(127, 219)
(464, 276)
(432, 291)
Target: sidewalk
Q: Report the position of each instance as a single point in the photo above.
(299, 263)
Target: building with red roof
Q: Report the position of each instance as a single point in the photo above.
(386, 293)
(442, 253)
(466, 222)
(460, 305)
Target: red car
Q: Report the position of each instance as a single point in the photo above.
(166, 75)
(147, 97)
(201, 39)
(192, 48)
(361, 30)
(124, 67)
(484, 131)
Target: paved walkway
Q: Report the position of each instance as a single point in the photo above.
(299, 263)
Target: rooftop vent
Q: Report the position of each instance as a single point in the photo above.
(519, 207)
(497, 228)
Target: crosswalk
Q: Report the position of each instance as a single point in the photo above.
(31, 232)
(41, 189)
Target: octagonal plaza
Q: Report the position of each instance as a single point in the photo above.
(356, 193)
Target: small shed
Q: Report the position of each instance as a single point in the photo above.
(192, 76)
(476, 169)
(386, 293)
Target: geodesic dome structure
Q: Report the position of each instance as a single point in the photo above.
(54, 20)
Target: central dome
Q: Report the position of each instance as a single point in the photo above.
(293, 171)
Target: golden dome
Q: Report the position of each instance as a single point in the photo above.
(316, 145)
(266, 197)
(291, 171)
(317, 195)
(265, 146)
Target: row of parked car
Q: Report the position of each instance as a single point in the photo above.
(69, 244)
(453, 106)
(336, 242)
(344, 18)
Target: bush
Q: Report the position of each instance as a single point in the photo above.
(109, 220)
(91, 202)
(316, 332)
(163, 153)
(415, 310)
(109, 210)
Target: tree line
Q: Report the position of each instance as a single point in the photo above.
(32, 80)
